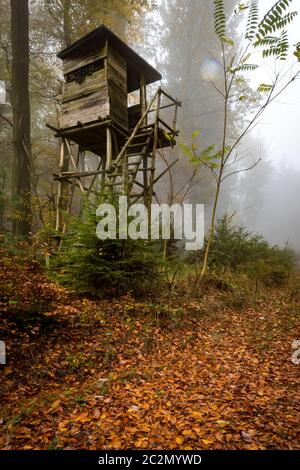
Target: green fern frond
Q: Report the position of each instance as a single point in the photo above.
(282, 22)
(271, 52)
(188, 151)
(241, 7)
(297, 51)
(228, 40)
(264, 88)
(297, 54)
(272, 18)
(284, 45)
(280, 50)
(246, 68)
(267, 41)
(220, 19)
(246, 58)
(206, 153)
(252, 22)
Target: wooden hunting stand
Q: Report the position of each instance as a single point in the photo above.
(100, 72)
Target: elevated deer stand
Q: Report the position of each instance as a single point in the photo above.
(100, 72)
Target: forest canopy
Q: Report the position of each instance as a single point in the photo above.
(149, 226)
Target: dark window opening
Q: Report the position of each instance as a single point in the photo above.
(80, 75)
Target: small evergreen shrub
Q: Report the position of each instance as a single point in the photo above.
(237, 249)
(105, 267)
(234, 249)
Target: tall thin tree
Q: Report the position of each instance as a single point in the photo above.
(270, 37)
(21, 186)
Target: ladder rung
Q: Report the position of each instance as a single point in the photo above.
(115, 183)
(147, 126)
(139, 195)
(139, 144)
(129, 155)
(143, 134)
(149, 156)
(140, 169)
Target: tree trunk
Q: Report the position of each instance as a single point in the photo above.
(21, 185)
(67, 24)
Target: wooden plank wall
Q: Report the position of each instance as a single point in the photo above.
(101, 94)
(95, 82)
(87, 101)
(117, 87)
(70, 65)
(86, 109)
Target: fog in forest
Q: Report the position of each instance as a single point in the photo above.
(177, 37)
(122, 325)
(265, 199)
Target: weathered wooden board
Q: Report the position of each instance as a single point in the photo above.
(71, 121)
(116, 77)
(85, 109)
(95, 82)
(118, 106)
(117, 87)
(116, 93)
(98, 97)
(69, 65)
(102, 93)
(117, 62)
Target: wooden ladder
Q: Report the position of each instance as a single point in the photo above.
(124, 174)
(140, 147)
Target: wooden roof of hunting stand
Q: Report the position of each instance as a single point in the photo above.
(100, 70)
(97, 39)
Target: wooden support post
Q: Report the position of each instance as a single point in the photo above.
(143, 98)
(69, 207)
(59, 206)
(145, 180)
(175, 118)
(103, 174)
(115, 142)
(74, 165)
(81, 160)
(62, 186)
(125, 175)
(81, 164)
(95, 176)
(109, 155)
(154, 149)
(135, 130)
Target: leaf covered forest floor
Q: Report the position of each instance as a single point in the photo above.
(124, 374)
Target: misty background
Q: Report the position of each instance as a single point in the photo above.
(177, 37)
(266, 198)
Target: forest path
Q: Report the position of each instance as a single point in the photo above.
(126, 374)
